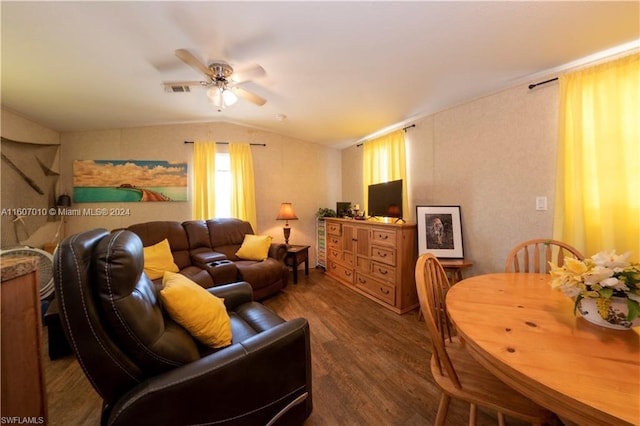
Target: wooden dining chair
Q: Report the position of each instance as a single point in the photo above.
(535, 255)
(457, 374)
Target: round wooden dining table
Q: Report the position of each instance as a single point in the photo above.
(527, 335)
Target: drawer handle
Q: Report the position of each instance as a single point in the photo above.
(384, 291)
(382, 271)
(362, 281)
(347, 273)
(382, 254)
(383, 237)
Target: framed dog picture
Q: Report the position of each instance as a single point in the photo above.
(440, 231)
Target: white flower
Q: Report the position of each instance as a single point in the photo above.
(614, 283)
(611, 260)
(597, 275)
(570, 291)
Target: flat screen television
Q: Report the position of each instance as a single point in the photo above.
(385, 199)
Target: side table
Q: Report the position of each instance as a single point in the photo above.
(454, 268)
(295, 256)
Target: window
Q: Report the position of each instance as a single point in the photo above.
(223, 182)
(597, 188)
(384, 159)
(223, 185)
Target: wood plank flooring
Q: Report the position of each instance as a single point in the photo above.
(370, 365)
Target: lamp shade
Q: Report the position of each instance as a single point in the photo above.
(286, 212)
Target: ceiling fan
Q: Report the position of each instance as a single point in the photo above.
(221, 81)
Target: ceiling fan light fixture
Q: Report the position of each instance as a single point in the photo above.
(228, 97)
(221, 97)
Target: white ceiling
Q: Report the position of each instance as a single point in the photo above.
(338, 71)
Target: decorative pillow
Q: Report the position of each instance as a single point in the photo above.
(158, 259)
(254, 247)
(201, 313)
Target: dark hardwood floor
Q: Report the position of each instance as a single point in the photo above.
(370, 365)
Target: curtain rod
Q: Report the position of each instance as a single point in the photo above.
(533, 86)
(404, 128)
(227, 143)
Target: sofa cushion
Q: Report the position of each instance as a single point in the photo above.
(197, 234)
(158, 259)
(250, 319)
(153, 232)
(198, 311)
(200, 276)
(260, 274)
(227, 231)
(255, 247)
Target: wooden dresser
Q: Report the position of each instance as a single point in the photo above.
(376, 259)
(23, 387)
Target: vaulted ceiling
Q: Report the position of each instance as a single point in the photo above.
(335, 71)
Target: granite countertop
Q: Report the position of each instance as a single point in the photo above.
(13, 267)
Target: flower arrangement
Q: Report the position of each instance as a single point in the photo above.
(601, 277)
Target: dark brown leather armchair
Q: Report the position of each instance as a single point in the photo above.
(149, 370)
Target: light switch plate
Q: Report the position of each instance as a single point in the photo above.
(541, 203)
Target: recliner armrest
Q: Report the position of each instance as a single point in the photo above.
(234, 294)
(203, 257)
(239, 380)
(278, 251)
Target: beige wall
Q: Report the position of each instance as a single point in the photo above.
(492, 156)
(18, 128)
(306, 174)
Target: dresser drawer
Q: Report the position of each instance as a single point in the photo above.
(385, 255)
(334, 241)
(376, 288)
(383, 272)
(333, 254)
(334, 228)
(340, 273)
(383, 237)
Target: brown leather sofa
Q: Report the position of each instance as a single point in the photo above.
(149, 370)
(205, 252)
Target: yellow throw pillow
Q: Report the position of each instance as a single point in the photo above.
(158, 259)
(254, 247)
(201, 313)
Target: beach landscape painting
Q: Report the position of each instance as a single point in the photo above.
(129, 181)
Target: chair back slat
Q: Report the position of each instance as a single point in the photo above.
(535, 255)
(432, 286)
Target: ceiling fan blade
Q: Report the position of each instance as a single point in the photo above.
(248, 74)
(185, 83)
(188, 58)
(251, 97)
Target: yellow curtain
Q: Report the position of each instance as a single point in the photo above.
(243, 194)
(204, 171)
(384, 159)
(597, 203)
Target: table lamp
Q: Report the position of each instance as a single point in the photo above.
(286, 213)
